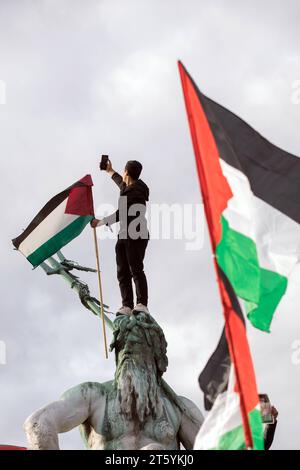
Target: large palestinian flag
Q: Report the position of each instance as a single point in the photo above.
(61, 219)
(236, 258)
(254, 193)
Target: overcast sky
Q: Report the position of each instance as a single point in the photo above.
(100, 76)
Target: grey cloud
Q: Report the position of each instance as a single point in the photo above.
(85, 78)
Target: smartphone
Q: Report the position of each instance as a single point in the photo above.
(104, 161)
(266, 409)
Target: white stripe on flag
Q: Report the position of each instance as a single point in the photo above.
(56, 221)
(224, 417)
(277, 236)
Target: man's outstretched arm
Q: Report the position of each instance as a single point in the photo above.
(43, 426)
(114, 175)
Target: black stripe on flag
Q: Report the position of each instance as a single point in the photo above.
(44, 212)
(273, 173)
(214, 377)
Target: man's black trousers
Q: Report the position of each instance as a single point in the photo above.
(130, 265)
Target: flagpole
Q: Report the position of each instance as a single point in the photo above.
(100, 291)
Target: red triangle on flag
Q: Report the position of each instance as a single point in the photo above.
(80, 200)
(87, 179)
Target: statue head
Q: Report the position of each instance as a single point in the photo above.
(141, 359)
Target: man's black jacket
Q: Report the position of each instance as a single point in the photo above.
(135, 194)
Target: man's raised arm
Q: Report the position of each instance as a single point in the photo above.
(114, 175)
(43, 426)
(113, 218)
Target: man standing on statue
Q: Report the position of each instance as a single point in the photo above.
(133, 234)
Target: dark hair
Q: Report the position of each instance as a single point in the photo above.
(134, 169)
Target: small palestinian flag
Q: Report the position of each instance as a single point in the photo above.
(213, 379)
(254, 189)
(234, 260)
(61, 219)
(223, 426)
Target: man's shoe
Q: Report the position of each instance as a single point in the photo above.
(140, 308)
(124, 310)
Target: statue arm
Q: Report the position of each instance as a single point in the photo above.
(190, 424)
(43, 426)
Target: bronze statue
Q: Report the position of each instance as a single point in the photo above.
(134, 411)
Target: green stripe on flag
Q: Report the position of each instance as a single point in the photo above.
(59, 240)
(232, 440)
(235, 438)
(257, 431)
(262, 289)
